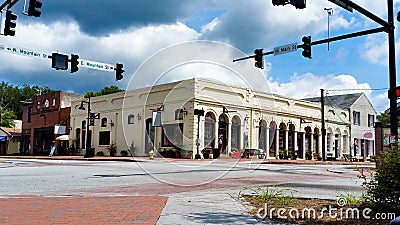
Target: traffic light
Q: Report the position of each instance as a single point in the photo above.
(259, 58)
(398, 16)
(306, 46)
(59, 61)
(119, 71)
(34, 8)
(74, 63)
(299, 4)
(396, 92)
(10, 24)
(278, 2)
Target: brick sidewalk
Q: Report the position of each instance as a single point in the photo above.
(82, 210)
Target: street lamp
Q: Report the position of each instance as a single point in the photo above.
(89, 151)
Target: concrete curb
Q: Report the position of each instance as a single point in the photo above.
(146, 159)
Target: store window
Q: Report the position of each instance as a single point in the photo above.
(104, 137)
(209, 131)
(172, 135)
(235, 136)
(179, 114)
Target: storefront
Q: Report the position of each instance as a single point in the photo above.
(234, 119)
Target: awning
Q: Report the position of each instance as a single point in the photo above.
(65, 138)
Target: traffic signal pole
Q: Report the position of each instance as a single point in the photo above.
(392, 71)
(10, 4)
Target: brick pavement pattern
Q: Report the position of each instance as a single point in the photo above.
(82, 210)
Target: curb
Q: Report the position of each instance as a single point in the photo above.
(146, 159)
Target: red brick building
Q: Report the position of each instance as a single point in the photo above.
(44, 118)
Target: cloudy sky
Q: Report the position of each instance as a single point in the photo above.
(132, 32)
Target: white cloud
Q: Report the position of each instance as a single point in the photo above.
(309, 85)
(130, 47)
(210, 26)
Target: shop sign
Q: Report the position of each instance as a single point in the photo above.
(368, 135)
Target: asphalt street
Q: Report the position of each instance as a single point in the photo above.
(198, 192)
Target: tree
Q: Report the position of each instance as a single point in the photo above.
(104, 91)
(7, 118)
(11, 96)
(383, 189)
(385, 119)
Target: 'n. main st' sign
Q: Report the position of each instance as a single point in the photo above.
(285, 49)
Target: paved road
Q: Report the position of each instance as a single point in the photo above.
(198, 192)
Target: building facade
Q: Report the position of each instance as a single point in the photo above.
(233, 119)
(10, 139)
(362, 121)
(43, 119)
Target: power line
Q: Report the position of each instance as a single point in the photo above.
(360, 89)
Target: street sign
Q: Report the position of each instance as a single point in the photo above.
(285, 49)
(23, 52)
(96, 65)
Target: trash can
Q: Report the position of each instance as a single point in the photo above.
(89, 153)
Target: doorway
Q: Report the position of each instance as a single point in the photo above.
(222, 136)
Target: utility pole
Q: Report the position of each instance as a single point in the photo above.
(392, 71)
(323, 124)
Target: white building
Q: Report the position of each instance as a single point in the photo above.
(361, 120)
(234, 119)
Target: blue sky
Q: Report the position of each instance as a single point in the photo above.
(131, 31)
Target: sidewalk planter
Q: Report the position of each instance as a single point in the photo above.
(112, 149)
(206, 153)
(235, 155)
(124, 153)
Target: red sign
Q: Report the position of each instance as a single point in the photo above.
(368, 135)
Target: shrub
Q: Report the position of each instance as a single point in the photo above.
(100, 153)
(383, 189)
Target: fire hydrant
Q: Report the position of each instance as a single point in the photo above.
(151, 154)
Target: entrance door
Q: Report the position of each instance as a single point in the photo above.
(337, 146)
(149, 136)
(222, 136)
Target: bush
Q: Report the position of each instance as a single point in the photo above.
(100, 153)
(383, 189)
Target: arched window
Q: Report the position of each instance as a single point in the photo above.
(78, 138)
(209, 131)
(179, 114)
(104, 122)
(131, 119)
(262, 136)
(235, 134)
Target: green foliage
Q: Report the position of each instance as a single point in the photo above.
(385, 119)
(104, 91)
(383, 188)
(11, 96)
(7, 118)
(351, 198)
(269, 194)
